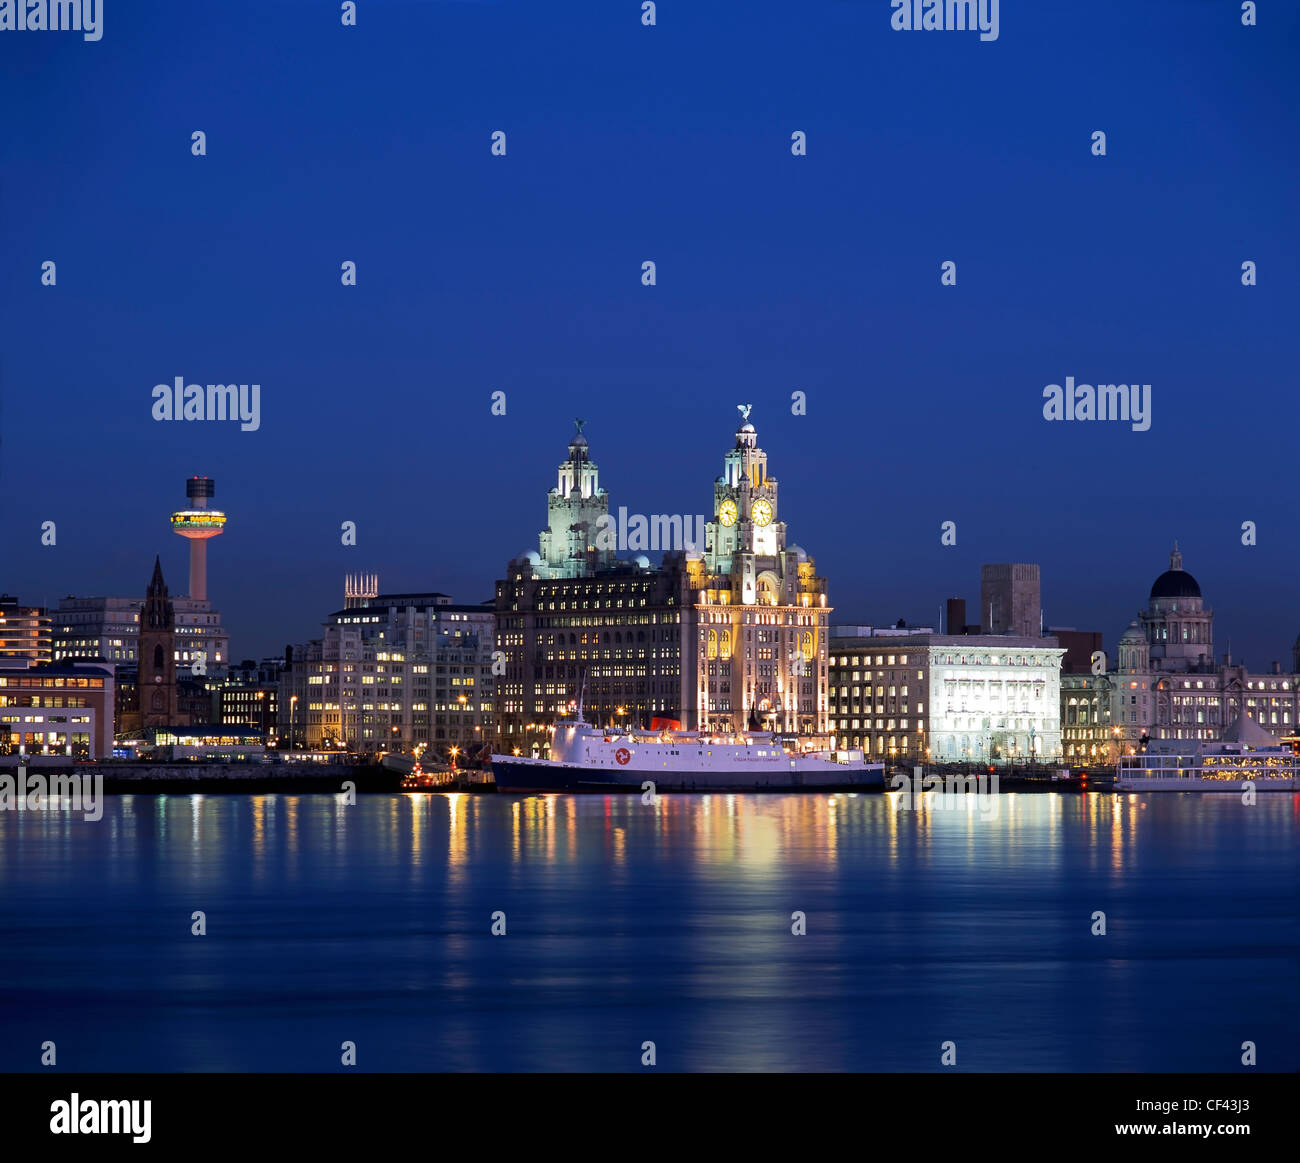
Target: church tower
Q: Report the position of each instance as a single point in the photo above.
(156, 681)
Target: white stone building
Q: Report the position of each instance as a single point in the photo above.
(946, 698)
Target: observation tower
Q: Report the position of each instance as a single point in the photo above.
(198, 524)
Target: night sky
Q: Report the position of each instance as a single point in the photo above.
(775, 274)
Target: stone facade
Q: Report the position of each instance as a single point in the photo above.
(727, 636)
(1163, 682)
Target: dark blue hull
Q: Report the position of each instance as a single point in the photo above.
(521, 777)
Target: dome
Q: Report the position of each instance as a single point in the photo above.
(1132, 634)
(1175, 582)
(641, 561)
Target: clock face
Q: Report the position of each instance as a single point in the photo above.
(727, 512)
(762, 511)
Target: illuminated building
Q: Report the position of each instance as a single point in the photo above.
(109, 628)
(24, 631)
(394, 672)
(58, 709)
(1163, 682)
(728, 636)
(755, 640)
(207, 743)
(249, 696)
(916, 696)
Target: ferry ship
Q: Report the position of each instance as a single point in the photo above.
(587, 758)
(1246, 752)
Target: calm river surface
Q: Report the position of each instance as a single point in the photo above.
(671, 923)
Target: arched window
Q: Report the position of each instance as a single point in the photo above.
(158, 657)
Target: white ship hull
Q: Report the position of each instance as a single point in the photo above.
(587, 758)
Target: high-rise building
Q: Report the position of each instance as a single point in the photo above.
(1011, 600)
(394, 672)
(24, 630)
(109, 628)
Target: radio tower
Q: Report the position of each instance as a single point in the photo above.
(199, 524)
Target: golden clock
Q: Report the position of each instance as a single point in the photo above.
(761, 511)
(727, 512)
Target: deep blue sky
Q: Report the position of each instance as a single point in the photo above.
(775, 273)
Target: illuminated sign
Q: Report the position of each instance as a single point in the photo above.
(199, 519)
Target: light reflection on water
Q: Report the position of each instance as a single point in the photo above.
(669, 922)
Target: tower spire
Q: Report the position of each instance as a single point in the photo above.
(1175, 558)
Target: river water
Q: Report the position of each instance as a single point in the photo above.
(671, 923)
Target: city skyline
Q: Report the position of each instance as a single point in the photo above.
(644, 536)
(241, 608)
(776, 273)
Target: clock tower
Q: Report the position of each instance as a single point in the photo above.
(745, 507)
(156, 676)
(760, 612)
